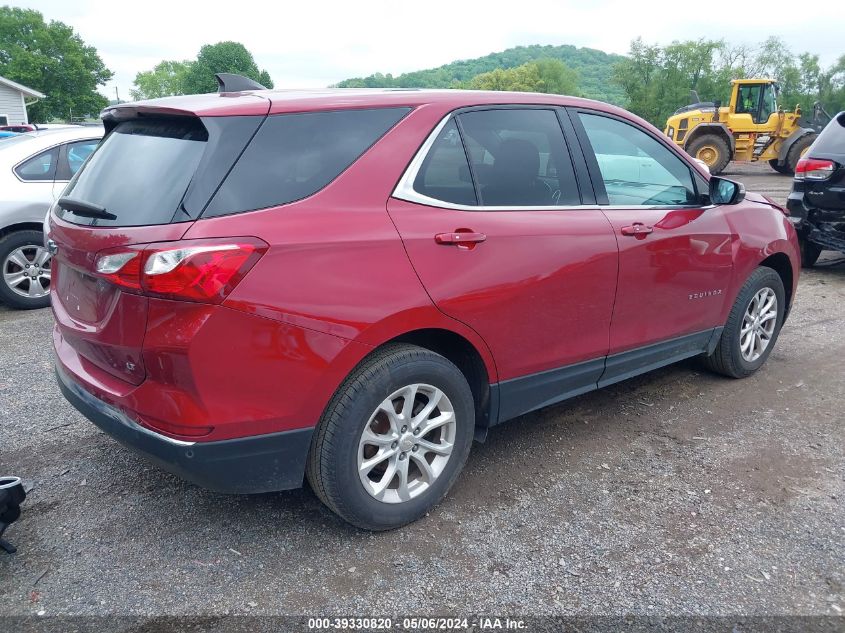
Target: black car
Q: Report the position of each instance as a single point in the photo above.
(817, 200)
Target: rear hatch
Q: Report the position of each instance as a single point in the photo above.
(821, 173)
(146, 182)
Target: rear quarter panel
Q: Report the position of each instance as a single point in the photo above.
(336, 263)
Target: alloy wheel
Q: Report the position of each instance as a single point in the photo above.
(27, 271)
(406, 443)
(758, 324)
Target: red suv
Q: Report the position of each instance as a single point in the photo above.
(253, 288)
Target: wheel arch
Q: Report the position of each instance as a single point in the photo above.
(465, 355)
(780, 263)
(791, 140)
(719, 129)
(21, 226)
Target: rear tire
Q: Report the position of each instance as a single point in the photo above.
(781, 169)
(357, 428)
(810, 253)
(731, 357)
(797, 151)
(22, 253)
(712, 149)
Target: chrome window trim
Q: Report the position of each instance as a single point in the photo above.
(47, 149)
(655, 207)
(405, 188)
(30, 157)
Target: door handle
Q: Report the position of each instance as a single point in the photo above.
(460, 237)
(637, 229)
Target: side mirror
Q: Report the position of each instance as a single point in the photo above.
(724, 191)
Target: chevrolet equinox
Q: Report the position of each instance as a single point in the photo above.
(254, 288)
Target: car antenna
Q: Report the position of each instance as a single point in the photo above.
(227, 82)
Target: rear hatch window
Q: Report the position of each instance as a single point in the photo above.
(140, 172)
(832, 139)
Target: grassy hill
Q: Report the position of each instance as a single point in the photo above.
(594, 68)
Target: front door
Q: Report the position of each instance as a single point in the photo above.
(494, 225)
(675, 257)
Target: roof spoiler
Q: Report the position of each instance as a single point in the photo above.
(227, 82)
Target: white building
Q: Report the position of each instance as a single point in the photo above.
(13, 101)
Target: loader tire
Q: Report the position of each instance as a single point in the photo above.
(712, 149)
(797, 151)
(781, 169)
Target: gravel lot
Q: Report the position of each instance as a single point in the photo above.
(678, 492)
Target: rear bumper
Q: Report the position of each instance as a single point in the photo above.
(260, 463)
(819, 226)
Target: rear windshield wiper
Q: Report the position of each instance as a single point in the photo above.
(85, 209)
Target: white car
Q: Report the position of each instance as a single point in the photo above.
(34, 169)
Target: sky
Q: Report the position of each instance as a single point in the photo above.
(317, 43)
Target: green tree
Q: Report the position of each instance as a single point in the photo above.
(640, 74)
(525, 78)
(166, 79)
(657, 80)
(53, 59)
(594, 71)
(832, 87)
(544, 75)
(223, 57)
(557, 78)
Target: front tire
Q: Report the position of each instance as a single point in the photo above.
(25, 270)
(713, 150)
(393, 439)
(752, 328)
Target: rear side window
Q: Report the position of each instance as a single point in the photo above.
(40, 167)
(139, 172)
(295, 155)
(444, 174)
(519, 158)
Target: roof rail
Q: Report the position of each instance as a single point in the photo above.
(227, 82)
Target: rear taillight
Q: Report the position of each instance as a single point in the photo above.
(190, 270)
(814, 169)
(121, 267)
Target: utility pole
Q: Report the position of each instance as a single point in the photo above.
(116, 94)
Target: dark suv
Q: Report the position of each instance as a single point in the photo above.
(255, 287)
(817, 201)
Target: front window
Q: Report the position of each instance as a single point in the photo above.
(747, 100)
(769, 105)
(77, 154)
(636, 168)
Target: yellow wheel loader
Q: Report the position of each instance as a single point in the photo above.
(751, 128)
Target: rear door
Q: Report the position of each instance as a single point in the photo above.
(675, 256)
(493, 221)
